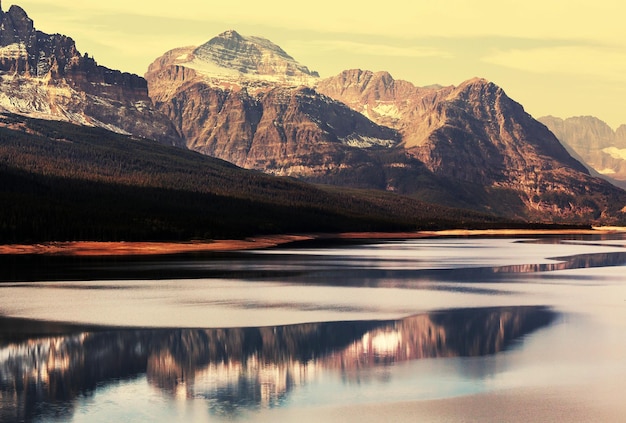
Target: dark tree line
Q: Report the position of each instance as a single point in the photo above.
(60, 181)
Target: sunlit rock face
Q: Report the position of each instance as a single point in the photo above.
(45, 76)
(475, 133)
(253, 58)
(601, 148)
(244, 100)
(241, 367)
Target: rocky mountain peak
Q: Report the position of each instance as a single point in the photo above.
(230, 34)
(28, 52)
(243, 60)
(476, 82)
(45, 76)
(476, 88)
(17, 14)
(376, 95)
(16, 27)
(18, 17)
(357, 80)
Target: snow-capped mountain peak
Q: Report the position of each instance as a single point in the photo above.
(232, 56)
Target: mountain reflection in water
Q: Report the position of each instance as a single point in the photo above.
(233, 369)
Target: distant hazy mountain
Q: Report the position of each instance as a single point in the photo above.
(243, 99)
(45, 76)
(601, 149)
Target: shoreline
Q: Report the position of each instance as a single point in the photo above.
(151, 248)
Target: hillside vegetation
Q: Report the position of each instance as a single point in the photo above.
(59, 181)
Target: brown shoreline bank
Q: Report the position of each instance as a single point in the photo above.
(96, 248)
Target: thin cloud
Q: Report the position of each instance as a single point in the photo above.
(605, 63)
(371, 49)
(399, 18)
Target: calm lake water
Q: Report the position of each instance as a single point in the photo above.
(251, 336)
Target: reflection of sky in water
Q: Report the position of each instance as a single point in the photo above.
(199, 303)
(279, 286)
(444, 254)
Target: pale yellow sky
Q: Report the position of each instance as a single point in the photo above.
(564, 58)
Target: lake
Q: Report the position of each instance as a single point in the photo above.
(445, 329)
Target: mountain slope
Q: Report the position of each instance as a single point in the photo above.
(45, 76)
(60, 181)
(601, 148)
(476, 134)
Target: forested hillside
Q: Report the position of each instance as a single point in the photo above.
(59, 181)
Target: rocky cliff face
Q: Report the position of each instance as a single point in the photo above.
(599, 147)
(44, 75)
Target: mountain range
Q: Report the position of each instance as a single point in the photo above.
(467, 146)
(244, 100)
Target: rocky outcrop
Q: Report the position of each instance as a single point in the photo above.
(44, 75)
(598, 146)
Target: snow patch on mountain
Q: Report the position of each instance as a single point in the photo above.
(233, 58)
(14, 51)
(21, 96)
(360, 141)
(388, 110)
(616, 153)
(607, 171)
(36, 98)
